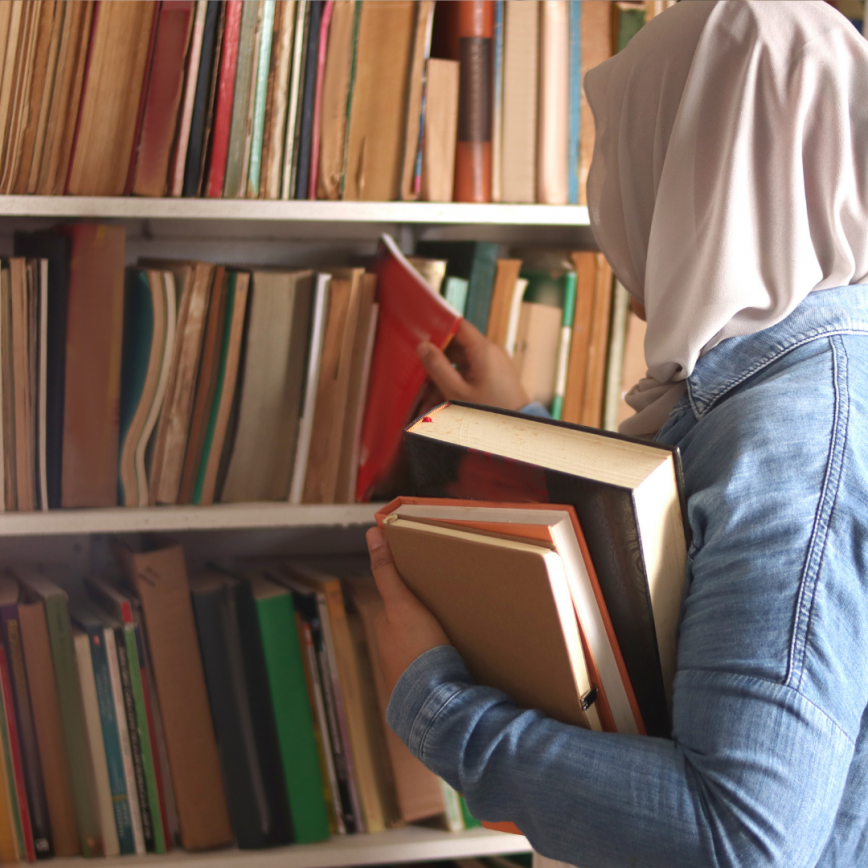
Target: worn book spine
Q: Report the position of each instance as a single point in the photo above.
(261, 92)
(311, 66)
(13, 783)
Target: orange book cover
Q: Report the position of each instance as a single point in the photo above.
(410, 312)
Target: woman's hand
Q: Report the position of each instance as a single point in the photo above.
(406, 628)
(483, 372)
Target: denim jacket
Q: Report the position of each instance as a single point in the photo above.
(768, 762)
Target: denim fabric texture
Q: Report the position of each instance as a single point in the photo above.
(768, 763)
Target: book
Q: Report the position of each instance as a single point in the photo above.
(10, 850)
(552, 160)
(418, 105)
(575, 100)
(16, 792)
(475, 26)
(193, 155)
(455, 293)
(260, 93)
(20, 296)
(555, 525)
(278, 98)
(337, 75)
(595, 47)
(441, 129)
(377, 121)
(102, 723)
(497, 105)
(505, 276)
(159, 578)
(615, 357)
(628, 497)
(31, 769)
(307, 100)
(39, 587)
(128, 646)
(278, 320)
(53, 764)
(116, 67)
(282, 651)
(162, 103)
(598, 342)
(410, 312)
(475, 262)
(233, 660)
(146, 318)
(585, 265)
(563, 359)
(308, 191)
(7, 388)
(485, 591)
(295, 93)
(219, 137)
(235, 180)
(319, 314)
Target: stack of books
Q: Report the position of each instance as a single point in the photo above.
(245, 702)
(247, 384)
(303, 99)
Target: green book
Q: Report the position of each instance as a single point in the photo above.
(292, 712)
(475, 262)
(71, 708)
(567, 312)
(15, 810)
(630, 22)
(470, 822)
(455, 293)
(261, 96)
(91, 623)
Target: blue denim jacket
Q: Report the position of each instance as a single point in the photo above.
(768, 764)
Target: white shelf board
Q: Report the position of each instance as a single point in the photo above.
(224, 516)
(411, 844)
(131, 208)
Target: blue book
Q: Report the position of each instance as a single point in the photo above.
(575, 102)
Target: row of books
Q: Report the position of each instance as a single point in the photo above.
(239, 704)
(303, 99)
(245, 385)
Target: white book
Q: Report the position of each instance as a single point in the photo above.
(111, 845)
(305, 427)
(124, 735)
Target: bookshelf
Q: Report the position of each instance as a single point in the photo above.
(279, 233)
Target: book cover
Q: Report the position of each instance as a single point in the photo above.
(552, 160)
(585, 265)
(307, 99)
(163, 100)
(14, 779)
(277, 100)
(628, 497)
(263, 63)
(235, 673)
(575, 100)
(410, 312)
(313, 163)
(296, 95)
(595, 47)
(440, 130)
(10, 849)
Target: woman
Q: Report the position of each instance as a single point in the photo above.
(729, 191)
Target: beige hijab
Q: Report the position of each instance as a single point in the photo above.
(730, 175)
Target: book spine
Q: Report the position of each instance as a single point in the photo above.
(262, 68)
(14, 766)
(134, 644)
(473, 152)
(497, 107)
(305, 129)
(37, 804)
(575, 101)
(317, 102)
(225, 94)
(111, 740)
(119, 703)
(74, 732)
(568, 312)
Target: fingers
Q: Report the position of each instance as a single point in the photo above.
(390, 585)
(440, 370)
(468, 336)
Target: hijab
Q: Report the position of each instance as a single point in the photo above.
(730, 175)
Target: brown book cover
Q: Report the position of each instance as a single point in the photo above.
(163, 100)
(94, 331)
(116, 69)
(596, 46)
(13, 48)
(278, 98)
(487, 592)
(505, 276)
(377, 121)
(49, 732)
(23, 385)
(206, 383)
(598, 345)
(159, 577)
(441, 130)
(585, 264)
(7, 418)
(65, 97)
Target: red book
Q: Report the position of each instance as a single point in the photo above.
(149, 65)
(174, 23)
(317, 102)
(225, 93)
(15, 750)
(410, 312)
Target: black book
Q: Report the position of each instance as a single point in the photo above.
(240, 701)
(57, 249)
(201, 102)
(629, 498)
(309, 96)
